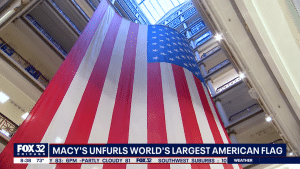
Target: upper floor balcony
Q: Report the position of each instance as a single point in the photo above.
(182, 18)
(22, 64)
(46, 34)
(202, 39)
(7, 127)
(174, 15)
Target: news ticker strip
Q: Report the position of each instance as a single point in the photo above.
(150, 160)
(131, 160)
(145, 153)
(148, 150)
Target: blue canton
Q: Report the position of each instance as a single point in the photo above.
(167, 45)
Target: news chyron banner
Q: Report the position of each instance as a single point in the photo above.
(41, 153)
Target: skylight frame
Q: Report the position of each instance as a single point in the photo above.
(154, 10)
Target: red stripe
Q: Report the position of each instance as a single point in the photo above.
(156, 123)
(209, 115)
(188, 115)
(34, 127)
(226, 166)
(119, 130)
(222, 124)
(83, 121)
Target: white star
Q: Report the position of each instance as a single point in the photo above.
(162, 47)
(154, 37)
(197, 73)
(179, 44)
(186, 65)
(173, 38)
(154, 50)
(177, 57)
(153, 26)
(171, 59)
(168, 45)
(168, 39)
(183, 57)
(161, 40)
(172, 32)
(155, 58)
(160, 29)
(161, 35)
(163, 54)
(174, 44)
(154, 43)
(175, 50)
(170, 51)
(167, 33)
(153, 31)
(180, 49)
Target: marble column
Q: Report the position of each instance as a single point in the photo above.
(211, 88)
(203, 70)
(222, 112)
(232, 136)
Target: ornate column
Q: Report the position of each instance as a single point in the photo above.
(198, 57)
(193, 44)
(203, 70)
(184, 25)
(222, 112)
(211, 88)
(232, 136)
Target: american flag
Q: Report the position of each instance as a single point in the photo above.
(123, 83)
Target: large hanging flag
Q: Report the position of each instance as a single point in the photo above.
(123, 83)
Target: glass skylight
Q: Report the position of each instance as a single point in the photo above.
(156, 9)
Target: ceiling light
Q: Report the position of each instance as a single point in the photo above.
(25, 115)
(3, 97)
(242, 75)
(268, 118)
(218, 37)
(5, 132)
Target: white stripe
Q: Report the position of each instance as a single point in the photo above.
(220, 128)
(174, 124)
(203, 124)
(215, 166)
(236, 166)
(62, 120)
(202, 120)
(102, 121)
(138, 115)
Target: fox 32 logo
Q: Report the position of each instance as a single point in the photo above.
(31, 150)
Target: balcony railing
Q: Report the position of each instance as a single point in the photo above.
(66, 17)
(176, 14)
(220, 65)
(203, 38)
(46, 34)
(210, 52)
(7, 127)
(228, 84)
(245, 112)
(23, 63)
(186, 15)
(197, 28)
(133, 9)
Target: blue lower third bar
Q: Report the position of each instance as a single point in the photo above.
(263, 160)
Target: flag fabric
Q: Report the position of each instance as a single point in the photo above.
(123, 83)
